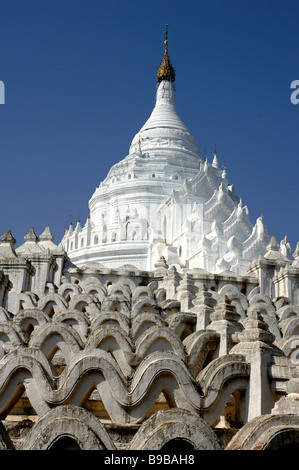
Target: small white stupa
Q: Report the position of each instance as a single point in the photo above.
(164, 200)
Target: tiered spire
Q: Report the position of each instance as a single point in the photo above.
(166, 71)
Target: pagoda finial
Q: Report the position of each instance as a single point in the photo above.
(166, 71)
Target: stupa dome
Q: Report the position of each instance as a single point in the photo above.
(163, 200)
(165, 128)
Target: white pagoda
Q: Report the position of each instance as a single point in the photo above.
(164, 200)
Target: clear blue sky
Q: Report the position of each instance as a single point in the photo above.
(80, 81)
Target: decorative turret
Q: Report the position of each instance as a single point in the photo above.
(7, 243)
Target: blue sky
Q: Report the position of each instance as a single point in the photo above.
(80, 81)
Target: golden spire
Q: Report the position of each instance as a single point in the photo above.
(166, 71)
